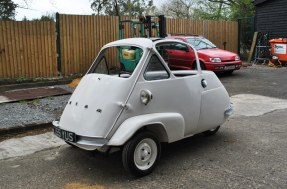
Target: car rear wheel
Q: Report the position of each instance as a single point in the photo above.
(211, 131)
(141, 154)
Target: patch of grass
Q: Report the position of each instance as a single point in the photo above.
(36, 102)
(22, 102)
(21, 79)
(50, 98)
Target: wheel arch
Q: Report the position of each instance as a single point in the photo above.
(159, 130)
(168, 127)
(200, 61)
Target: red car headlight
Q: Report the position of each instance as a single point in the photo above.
(215, 59)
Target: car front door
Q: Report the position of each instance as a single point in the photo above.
(170, 94)
(180, 57)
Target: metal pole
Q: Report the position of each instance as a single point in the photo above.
(239, 37)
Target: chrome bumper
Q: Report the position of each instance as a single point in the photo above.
(228, 112)
(86, 142)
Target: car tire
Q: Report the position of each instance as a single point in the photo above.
(141, 154)
(202, 66)
(229, 72)
(211, 131)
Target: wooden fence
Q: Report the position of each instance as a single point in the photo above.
(216, 31)
(28, 49)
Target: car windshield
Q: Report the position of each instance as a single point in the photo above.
(201, 43)
(118, 61)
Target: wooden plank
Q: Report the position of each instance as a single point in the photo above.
(40, 39)
(37, 49)
(252, 47)
(85, 45)
(62, 43)
(20, 46)
(9, 33)
(16, 49)
(73, 43)
(90, 39)
(24, 59)
(46, 47)
(27, 49)
(53, 63)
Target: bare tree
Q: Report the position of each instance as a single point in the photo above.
(179, 8)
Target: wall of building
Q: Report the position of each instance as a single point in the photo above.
(271, 16)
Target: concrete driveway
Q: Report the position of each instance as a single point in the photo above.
(249, 151)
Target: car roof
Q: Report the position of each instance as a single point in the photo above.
(140, 42)
(185, 36)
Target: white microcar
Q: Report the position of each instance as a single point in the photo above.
(130, 99)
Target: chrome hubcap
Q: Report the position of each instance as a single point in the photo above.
(145, 154)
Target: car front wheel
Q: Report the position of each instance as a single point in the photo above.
(141, 154)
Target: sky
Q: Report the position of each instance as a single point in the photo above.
(37, 8)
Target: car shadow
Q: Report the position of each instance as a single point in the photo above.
(109, 169)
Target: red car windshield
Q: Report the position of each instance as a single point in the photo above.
(200, 43)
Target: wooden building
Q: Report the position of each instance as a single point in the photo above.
(271, 16)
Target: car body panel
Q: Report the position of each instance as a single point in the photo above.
(167, 120)
(214, 94)
(87, 110)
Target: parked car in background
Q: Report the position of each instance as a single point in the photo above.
(137, 107)
(210, 57)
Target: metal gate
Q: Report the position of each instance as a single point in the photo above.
(246, 31)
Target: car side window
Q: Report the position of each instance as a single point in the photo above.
(155, 70)
(180, 47)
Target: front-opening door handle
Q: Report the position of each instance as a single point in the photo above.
(203, 83)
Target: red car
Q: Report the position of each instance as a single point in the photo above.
(211, 57)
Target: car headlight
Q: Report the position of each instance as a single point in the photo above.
(237, 58)
(215, 60)
(145, 96)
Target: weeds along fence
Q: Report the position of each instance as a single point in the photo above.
(68, 46)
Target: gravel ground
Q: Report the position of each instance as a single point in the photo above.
(36, 111)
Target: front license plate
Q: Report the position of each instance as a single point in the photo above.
(66, 135)
(232, 67)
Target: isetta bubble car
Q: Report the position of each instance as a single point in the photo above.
(130, 99)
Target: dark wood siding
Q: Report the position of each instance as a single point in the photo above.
(271, 16)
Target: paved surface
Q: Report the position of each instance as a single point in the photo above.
(250, 150)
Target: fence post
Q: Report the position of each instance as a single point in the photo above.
(58, 44)
(205, 29)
